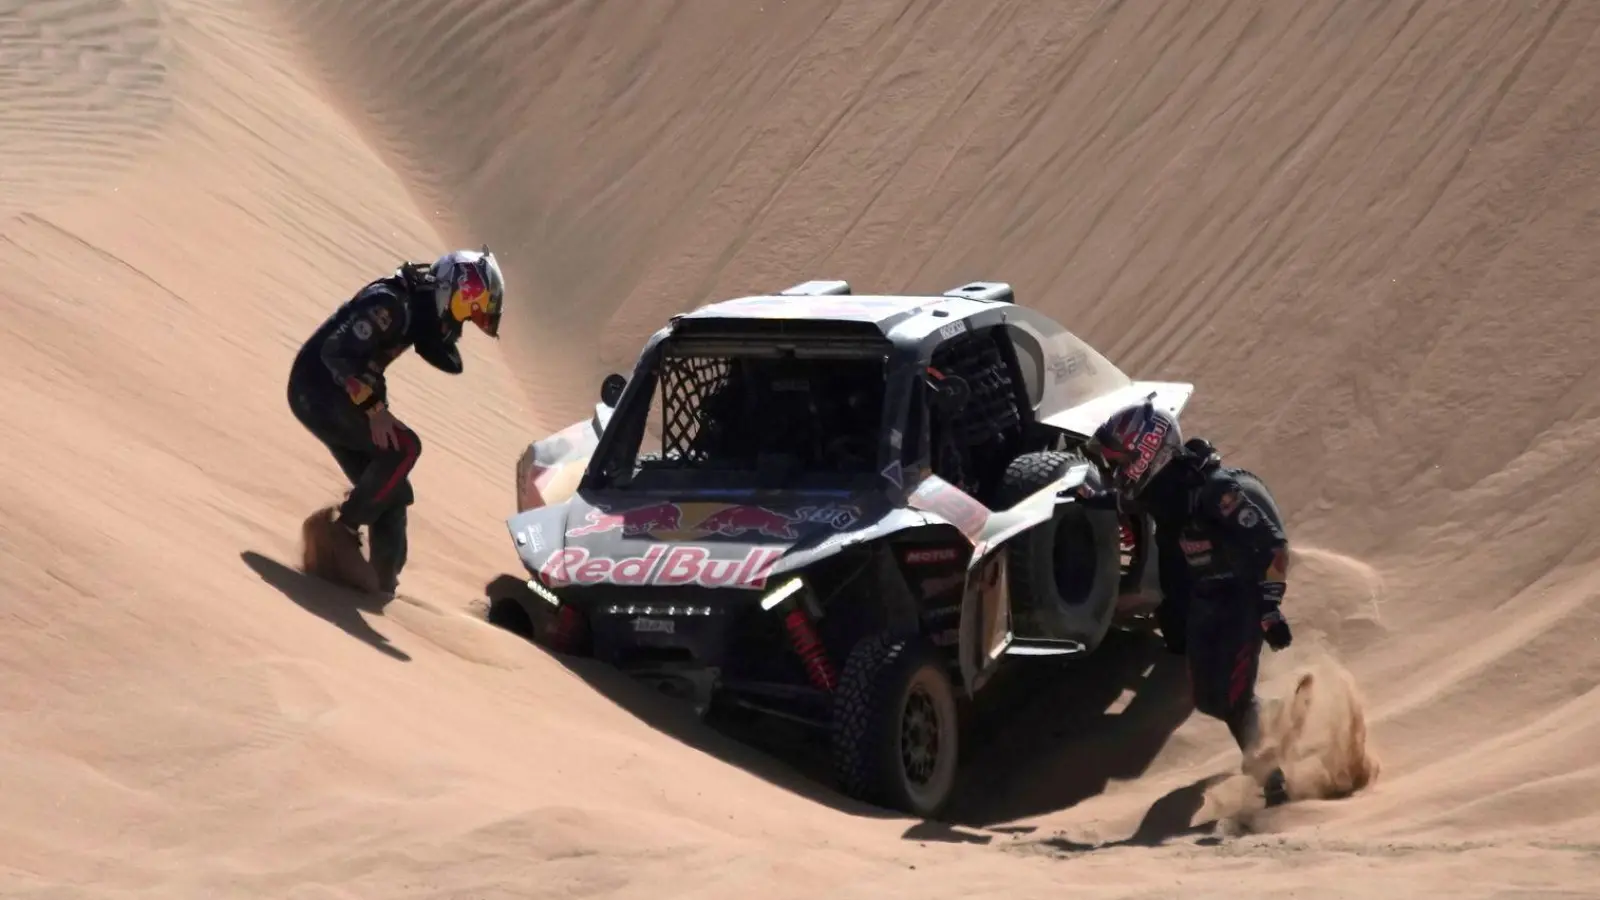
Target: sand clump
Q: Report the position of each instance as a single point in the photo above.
(1314, 728)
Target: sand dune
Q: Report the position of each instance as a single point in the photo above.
(1364, 229)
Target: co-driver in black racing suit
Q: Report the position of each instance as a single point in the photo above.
(1223, 558)
(338, 392)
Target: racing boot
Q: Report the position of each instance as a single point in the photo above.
(1275, 789)
(389, 549)
(332, 551)
(1244, 723)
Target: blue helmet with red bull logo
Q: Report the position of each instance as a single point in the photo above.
(1135, 443)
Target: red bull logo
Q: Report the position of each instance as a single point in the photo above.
(632, 523)
(661, 566)
(734, 521)
(1148, 449)
(688, 521)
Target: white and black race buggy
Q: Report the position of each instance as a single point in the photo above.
(844, 510)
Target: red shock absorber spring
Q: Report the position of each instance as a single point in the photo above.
(806, 643)
(567, 632)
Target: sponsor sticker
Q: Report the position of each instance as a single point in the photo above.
(533, 538)
(954, 505)
(634, 522)
(661, 567)
(687, 521)
(893, 474)
(1066, 366)
(1149, 446)
(931, 555)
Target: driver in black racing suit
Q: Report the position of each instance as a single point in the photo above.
(1223, 558)
(338, 392)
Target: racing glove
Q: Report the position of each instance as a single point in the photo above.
(1274, 627)
(1097, 498)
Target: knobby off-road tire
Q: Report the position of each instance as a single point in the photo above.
(896, 729)
(514, 608)
(1053, 563)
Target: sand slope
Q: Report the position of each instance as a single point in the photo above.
(1364, 229)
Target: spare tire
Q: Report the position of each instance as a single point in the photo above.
(1055, 562)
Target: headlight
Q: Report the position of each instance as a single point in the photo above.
(548, 595)
(781, 593)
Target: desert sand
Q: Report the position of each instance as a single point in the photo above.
(1365, 230)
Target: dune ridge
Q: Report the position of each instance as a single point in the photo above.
(1363, 229)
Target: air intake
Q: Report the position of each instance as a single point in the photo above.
(817, 289)
(991, 291)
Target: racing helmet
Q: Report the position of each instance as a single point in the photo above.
(469, 287)
(1135, 443)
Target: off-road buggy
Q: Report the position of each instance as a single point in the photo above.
(843, 510)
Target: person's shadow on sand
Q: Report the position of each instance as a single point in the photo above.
(338, 606)
(1170, 817)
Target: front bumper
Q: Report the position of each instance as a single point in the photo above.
(633, 625)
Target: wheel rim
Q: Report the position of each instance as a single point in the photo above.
(927, 742)
(919, 738)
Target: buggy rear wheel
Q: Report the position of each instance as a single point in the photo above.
(896, 728)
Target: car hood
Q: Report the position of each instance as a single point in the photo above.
(733, 543)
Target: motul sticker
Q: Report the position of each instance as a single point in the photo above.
(661, 567)
(931, 556)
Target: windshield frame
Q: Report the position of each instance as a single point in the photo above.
(615, 467)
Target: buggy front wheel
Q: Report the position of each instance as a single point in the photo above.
(895, 726)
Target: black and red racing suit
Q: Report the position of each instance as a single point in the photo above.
(337, 381)
(1223, 555)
